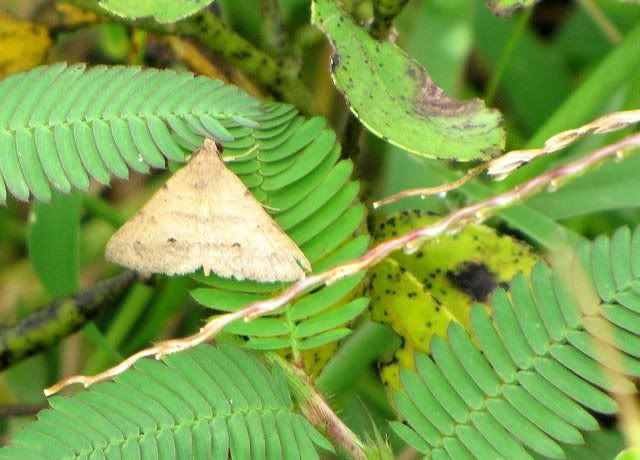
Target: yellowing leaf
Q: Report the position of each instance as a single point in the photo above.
(395, 98)
(73, 16)
(419, 294)
(23, 45)
(400, 299)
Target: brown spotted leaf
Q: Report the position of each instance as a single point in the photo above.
(396, 99)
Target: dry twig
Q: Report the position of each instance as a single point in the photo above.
(504, 165)
(410, 242)
(429, 191)
(509, 162)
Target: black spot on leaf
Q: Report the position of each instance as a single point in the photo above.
(335, 61)
(474, 279)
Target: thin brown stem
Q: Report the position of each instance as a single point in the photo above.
(509, 162)
(504, 165)
(318, 411)
(430, 191)
(20, 410)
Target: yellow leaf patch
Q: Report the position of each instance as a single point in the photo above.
(23, 45)
(419, 294)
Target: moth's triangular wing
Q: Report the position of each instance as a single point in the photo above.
(205, 217)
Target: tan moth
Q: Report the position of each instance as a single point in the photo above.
(205, 217)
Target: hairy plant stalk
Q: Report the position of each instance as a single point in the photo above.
(318, 412)
(410, 242)
(50, 324)
(189, 53)
(504, 165)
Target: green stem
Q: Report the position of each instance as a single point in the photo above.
(602, 20)
(384, 12)
(138, 49)
(98, 339)
(47, 326)
(280, 80)
(354, 357)
(507, 55)
(172, 293)
(103, 210)
(131, 310)
(273, 38)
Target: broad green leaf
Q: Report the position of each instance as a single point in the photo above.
(54, 243)
(160, 10)
(396, 99)
(506, 7)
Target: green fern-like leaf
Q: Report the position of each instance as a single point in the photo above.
(62, 125)
(540, 365)
(292, 165)
(203, 403)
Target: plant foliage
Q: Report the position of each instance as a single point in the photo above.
(293, 166)
(207, 402)
(419, 294)
(547, 355)
(484, 351)
(395, 98)
(62, 125)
